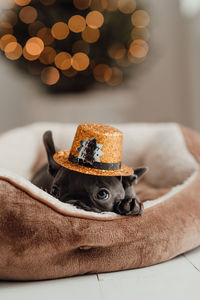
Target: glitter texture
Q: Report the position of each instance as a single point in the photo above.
(111, 139)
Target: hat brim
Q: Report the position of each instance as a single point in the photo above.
(62, 158)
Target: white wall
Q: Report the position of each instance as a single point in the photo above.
(159, 92)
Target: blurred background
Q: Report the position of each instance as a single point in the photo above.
(159, 82)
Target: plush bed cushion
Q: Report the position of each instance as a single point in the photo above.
(43, 238)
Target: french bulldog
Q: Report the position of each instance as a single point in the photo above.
(88, 192)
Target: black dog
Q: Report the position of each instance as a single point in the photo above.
(89, 192)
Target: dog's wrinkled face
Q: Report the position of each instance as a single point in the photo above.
(97, 193)
(90, 192)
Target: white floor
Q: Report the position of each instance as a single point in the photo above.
(177, 279)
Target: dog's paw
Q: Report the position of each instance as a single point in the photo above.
(129, 207)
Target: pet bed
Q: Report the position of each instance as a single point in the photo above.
(42, 238)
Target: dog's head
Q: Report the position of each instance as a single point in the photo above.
(90, 192)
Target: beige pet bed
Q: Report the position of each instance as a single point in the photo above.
(42, 238)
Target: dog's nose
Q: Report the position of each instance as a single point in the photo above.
(138, 208)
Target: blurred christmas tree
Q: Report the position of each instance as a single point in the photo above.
(72, 43)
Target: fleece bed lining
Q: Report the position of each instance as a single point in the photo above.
(70, 210)
(143, 144)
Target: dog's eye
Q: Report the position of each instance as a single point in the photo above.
(55, 191)
(103, 194)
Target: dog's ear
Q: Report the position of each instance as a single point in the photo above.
(50, 150)
(139, 173)
(135, 177)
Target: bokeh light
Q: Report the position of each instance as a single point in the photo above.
(47, 56)
(140, 18)
(28, 56)
(22, 2)
(6, 39)
(117, 51)
(127, 6)
(139, 48)
(77, 23)
(140, 33)
(99, 5)
(34, 46)
(90, 35)
(13, 51)
(46, 36)
(5, 28)
(60, 31)
(116, 77)
(50, 75)
(80, 61)
(102, 73)
(10, 47)
(82, 4)
(35, 27)
(94, 19)
(112, 5)
(63, 61)
(28, 14)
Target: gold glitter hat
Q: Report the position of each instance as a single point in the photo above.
(96, 150)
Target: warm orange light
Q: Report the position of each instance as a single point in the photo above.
(47, 56)
(10, 47)
(34, 46)
(35, 27)
(102, 73)
(5, 28)
(135, 60)
(99, 5)
(6, 39)
(77, 23)
(90, 35)
(82, 4)
(14, 51)
(60, 31)
(47, 2)
(81, 46)
(124, 61)
(117, 51)
(45, 35)
(140, 33)
(70, 72)
(139, 48)
(50, 75)
(22, 2)
(116, 77)
(140, 18)
(80, 61)
(127, 6)
(63, 61)
(28, 14)
(94, 19)
(112, 5)
(28, 56)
